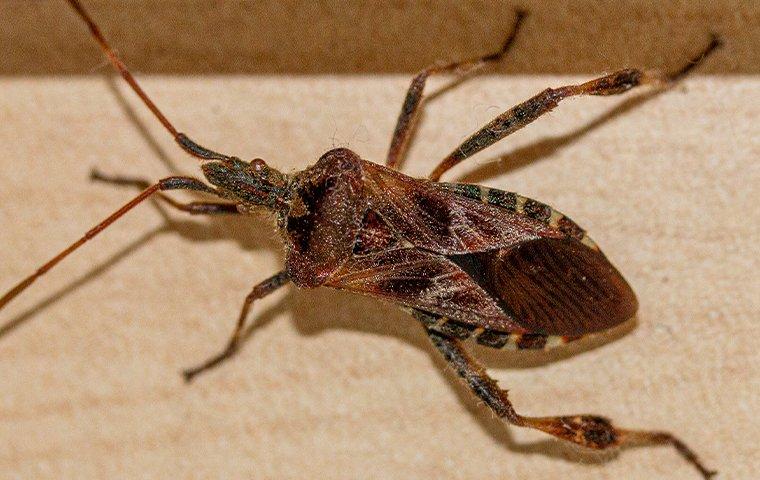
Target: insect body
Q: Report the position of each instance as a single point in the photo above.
(485, 262)
(465, 260)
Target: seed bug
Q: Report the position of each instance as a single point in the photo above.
(468, 262)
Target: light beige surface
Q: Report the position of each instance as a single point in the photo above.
(335, 386)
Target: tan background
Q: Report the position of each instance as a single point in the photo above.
(334, 386)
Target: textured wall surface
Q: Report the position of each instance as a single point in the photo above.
(337, 386)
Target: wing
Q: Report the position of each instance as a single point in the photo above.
(436, 219)
(422, 280)
(486, 257)
(553, 286)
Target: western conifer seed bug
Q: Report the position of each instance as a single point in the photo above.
(468, 262)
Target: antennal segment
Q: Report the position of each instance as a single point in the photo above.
(187, 145)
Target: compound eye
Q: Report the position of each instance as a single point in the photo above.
(258, 165)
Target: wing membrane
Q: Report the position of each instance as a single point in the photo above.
(554, 287)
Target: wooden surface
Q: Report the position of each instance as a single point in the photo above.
(336, 386)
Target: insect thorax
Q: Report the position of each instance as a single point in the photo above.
(326, 207)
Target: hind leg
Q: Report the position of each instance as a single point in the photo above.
(590, 431)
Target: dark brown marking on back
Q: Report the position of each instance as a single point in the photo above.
(553, 287)
(472, 264)
(559, 287)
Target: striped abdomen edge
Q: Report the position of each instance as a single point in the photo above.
(490, 338)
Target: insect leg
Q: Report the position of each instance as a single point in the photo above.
(169, 183)
(238, 336)
(411, 108)
(590, 431)
(193, 208)
(528, 111)
(188, 145)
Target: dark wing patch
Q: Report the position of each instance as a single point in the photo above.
(425, 281)
(554, 286)
(443, 221)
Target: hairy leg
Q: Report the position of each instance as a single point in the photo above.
(530, 110)
(259, 291)
(589, 431)
(412, 106)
